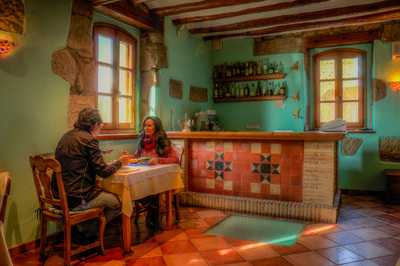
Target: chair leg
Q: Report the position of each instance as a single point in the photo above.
(67, 244)
(176, 207)
(102, 226)
(136, 213)
(43, 239)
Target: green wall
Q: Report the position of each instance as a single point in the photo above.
(266, 114)
(363, 171)
(33, 109)
(188, 61)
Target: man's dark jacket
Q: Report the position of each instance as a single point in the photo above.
(81, 160)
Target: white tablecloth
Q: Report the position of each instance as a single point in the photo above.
(136, 182)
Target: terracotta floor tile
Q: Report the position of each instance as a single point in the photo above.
(153, 261)
(181, 236)
(239, 242)
(308, 259)
(244, 263)
(187, 259)
(320, 229)
(256, 251)
(143, 248)
(368, 250)
(195, 233)
(175, 247)
(211, 221)
(210, 243)
(340, 255)
(277, 261)
(386, 261)
(362, 263)
(391, 244)
(316, 242)
(286, 250)
(343, 238)
(167, 235)
(222, 256)
(369, 233)
(210, 213)
(153, 253)
(391, 230)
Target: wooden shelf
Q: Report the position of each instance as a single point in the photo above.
(252, 78)
(251, 98)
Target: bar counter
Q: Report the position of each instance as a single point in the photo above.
(284, 174)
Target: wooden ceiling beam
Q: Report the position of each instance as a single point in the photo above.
(349, 38)
(266, 8)
(373, 18)
(103, 2)
(201, 5)
(132, 15)
(298, 17)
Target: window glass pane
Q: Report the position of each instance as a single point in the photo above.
(327, 112)
(105, 49)
(350, 90)
(125, 82)
(104, 79)
(125, 51)
(125, 110)
(350, 112)
(104, 105)
(327, 69)
(350, 67)
(327, 90)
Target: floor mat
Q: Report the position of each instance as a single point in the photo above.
(259, 229)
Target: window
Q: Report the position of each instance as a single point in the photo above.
(339, 87)
(116, 70)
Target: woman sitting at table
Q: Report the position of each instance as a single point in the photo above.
(154, 143)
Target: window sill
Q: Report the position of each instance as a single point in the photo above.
(361, 131)
(117, 135)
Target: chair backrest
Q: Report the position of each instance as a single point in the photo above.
(43, 170)
(179, 151)
(5, 186)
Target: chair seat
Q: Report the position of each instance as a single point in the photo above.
(75, 216)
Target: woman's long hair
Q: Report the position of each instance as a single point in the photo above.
(162, 142)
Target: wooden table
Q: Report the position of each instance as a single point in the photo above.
(137, 182)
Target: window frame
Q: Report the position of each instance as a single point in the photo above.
(118, 35)
(338, 55)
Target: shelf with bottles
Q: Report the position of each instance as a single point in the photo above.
(236, 92)
(248, 71)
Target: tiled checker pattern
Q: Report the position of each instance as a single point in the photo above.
(268, 170)
(367, 234)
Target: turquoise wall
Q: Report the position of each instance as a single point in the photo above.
(266, 114)
(33, 109)
(188, 61)
(363, 171)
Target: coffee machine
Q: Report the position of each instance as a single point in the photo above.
(207, 121)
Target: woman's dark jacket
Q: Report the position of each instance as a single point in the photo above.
(81, 160)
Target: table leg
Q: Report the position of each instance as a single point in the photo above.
(168, 202)
(126, 233)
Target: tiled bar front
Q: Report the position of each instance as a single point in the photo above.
(272, 174)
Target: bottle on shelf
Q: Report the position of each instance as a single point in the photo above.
(246, 90)
(280, 67)
(259, 89)
(265, 66)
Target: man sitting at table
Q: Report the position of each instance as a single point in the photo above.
(154, 143)
(81, 160)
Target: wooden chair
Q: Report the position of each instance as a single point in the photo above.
(55, 208)
(5, 186)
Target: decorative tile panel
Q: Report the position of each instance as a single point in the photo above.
(268, 170)
(255, 148)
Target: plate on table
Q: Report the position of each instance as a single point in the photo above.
(139, 161)
(127, 168)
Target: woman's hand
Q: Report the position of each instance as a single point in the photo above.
(153, 161)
